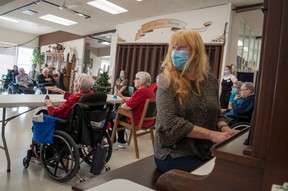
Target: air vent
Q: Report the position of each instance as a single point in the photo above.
(30, 12)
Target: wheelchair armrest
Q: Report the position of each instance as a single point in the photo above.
(61, 121)
(238, 116)
(43, 84)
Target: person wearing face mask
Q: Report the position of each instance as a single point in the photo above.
(226, 87)
(244, 104)
(188, 113)
(122, 84)
(235, 93)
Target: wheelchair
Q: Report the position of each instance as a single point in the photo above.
(82, 137)
(5, 82)
(239, 122)
(13, 88)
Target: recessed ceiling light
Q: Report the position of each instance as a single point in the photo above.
(8, 19)
(107, 6)
(58, 20)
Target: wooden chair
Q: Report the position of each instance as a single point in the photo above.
(149, 113)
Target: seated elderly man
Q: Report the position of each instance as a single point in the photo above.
(243, 104)
(45, 79)
(24, 83)
(136, 103)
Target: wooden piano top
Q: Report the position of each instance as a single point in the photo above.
(233, 149)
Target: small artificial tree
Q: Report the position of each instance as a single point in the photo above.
(102, 82)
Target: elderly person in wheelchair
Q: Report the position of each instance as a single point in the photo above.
(243, 105)
(44, 80)
(24, 83)
(82, 85)
(80, 129)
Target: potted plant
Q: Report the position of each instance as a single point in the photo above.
(38, 58)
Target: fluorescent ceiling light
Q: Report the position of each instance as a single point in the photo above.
(107, 6)
(8, 19)
(58, 20)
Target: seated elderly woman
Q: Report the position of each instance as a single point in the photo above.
(136, 103)
(244, 103)
(82, 86)
(24, 83)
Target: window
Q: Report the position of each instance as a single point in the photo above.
(24, 58)
(248, 49)
(7, 57)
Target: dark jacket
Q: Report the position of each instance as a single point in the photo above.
(41, 80)
(243, 106)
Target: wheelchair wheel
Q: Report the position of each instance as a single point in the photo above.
(87, 154)
(60, 160)
(10, 90)
(240, 125)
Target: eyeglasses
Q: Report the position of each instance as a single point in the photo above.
(243, 89)
(137, 78)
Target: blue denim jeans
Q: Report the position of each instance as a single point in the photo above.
(187, 163)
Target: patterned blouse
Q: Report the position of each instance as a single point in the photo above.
(174, 121)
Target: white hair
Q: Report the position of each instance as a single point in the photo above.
(85, 81)
(144, 78)
(21, 69)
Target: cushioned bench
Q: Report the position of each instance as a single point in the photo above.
(143, 172)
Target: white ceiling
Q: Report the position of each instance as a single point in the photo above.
(101, 21)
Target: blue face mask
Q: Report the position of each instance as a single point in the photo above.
(226, 72)
(234, 91)
(179, 59)
(121, 76)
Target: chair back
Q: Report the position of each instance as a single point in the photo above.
(93, 97)
(89, 118)
(149, 111)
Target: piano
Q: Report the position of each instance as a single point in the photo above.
(264, 160)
